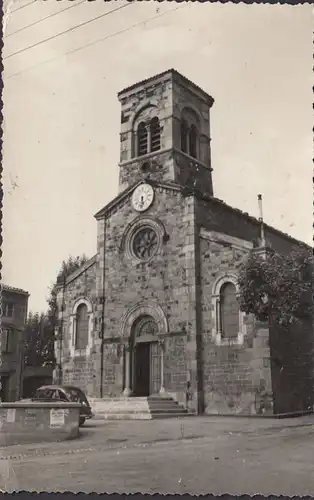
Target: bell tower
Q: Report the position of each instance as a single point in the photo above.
(165, 133)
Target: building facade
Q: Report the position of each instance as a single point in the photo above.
(14, 303)
(155, 311)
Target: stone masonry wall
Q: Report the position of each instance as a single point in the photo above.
(167, 98)
(285, 369)
(11, 362)
(167, 280)
(217, 216)
(80, 370)
(236, 377)
(155, 101)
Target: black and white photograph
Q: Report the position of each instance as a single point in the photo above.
(157, 283)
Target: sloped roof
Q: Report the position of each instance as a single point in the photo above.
(173, 74)
(250, 218)
(13, 289)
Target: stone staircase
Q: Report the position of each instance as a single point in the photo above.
(137, 408)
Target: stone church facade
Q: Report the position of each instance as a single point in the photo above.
(155, 311)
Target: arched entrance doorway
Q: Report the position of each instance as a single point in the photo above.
(145, 358)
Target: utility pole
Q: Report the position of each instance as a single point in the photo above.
(61, 331)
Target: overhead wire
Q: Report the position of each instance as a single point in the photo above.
(141, 23)
(84, 23)
(44, 18)
(22, 6)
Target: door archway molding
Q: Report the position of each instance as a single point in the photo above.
(143, 309)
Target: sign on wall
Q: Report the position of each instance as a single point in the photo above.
(11, 415)
(56, 418)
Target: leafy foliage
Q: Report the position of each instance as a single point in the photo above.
(280, 286)
(67, 268)
(40, 328)
(38, 343)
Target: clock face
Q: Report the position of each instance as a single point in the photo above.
(143, 197)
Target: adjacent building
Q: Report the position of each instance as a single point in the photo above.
(14, 303)
(155, 311)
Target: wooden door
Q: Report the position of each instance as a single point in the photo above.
(142, 369)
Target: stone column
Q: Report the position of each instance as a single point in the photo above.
(149, 139)
(188, 141)
(127, 390)
(162, 350)
(218, 316)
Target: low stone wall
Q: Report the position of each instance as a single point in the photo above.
(33, 422)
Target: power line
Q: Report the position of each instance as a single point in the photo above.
(44, 18)
(67, 31)
(97, 41)
(22, 6)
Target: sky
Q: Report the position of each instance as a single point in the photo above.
(62, 116)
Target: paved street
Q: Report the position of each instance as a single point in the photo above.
(197, 455)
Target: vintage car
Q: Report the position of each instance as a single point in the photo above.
(66, 393)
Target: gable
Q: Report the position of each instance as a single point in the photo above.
(123, 198)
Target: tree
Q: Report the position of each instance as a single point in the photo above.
(279, 286)
(38, 341)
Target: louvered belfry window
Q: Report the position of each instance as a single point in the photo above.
(142, 139)
(155, 134)
(148, 137)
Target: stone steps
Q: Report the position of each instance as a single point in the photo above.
(137, 408)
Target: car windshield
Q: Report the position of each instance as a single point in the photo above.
(76, 395)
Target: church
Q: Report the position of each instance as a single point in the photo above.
(155, 312)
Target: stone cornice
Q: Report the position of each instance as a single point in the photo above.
(170, 74)
(224, 238)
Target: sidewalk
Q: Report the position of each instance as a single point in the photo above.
(102, 434)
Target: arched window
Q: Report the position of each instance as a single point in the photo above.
(81, 333)
(193, 141)
(184, 136)
(190, 125)
(142, 139)
(154, 134)
(229, 311)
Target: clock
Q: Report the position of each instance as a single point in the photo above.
(143, 197)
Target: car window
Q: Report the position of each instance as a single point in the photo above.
(43, 394)
(76, 395)
(62, 396)
(55, 394)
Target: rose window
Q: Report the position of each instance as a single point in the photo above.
(145, 243)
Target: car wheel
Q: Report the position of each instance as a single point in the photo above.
(82, 421)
